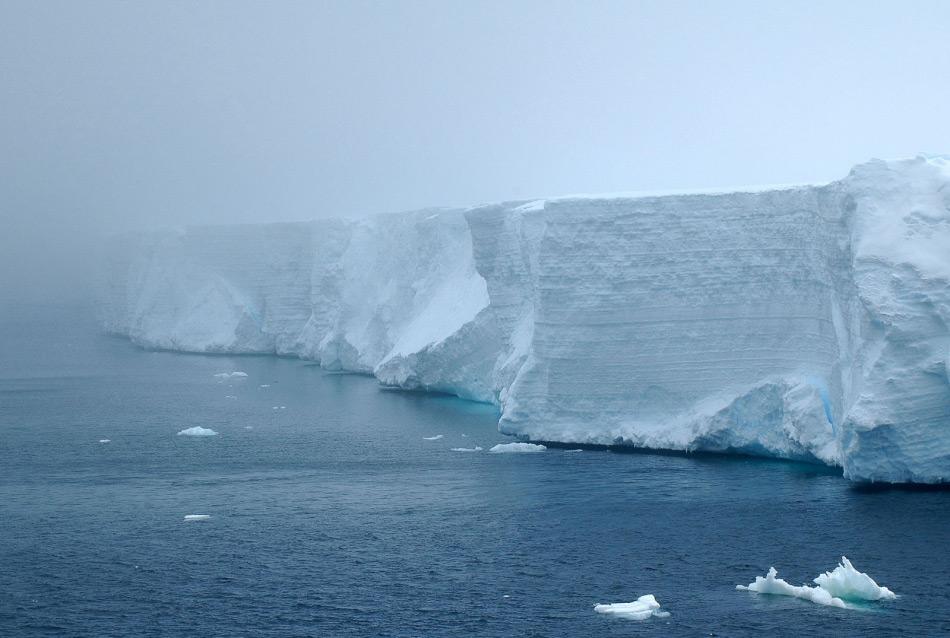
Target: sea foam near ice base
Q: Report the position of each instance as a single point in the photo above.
(835, 588)
(517, 448)
(642, 608)
(197, 431)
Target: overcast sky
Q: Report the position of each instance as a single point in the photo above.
(117, 115)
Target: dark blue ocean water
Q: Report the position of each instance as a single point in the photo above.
(334, 517)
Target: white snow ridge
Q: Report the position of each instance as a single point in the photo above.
(197, 431)
(642, 608)
(517, 448)
(835, 588)
(806, 323)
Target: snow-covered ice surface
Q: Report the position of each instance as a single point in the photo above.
(806, 322)
(642, 608)
(836, 588)
(516, 448)
(197, 431)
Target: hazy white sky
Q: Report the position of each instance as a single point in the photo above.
(118, 115)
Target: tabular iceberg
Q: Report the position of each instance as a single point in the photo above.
(803, 322)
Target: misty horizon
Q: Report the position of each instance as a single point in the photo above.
(126, 116)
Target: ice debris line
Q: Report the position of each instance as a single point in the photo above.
(836, 588)
(642, 608)
(807, 322)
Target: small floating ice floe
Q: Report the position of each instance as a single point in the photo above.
(432, 438)
(197, 431)
(237, 374)
(248, 427)
(230, 396)
(197, 517)
(467, 449)
(265, 385)
(105, 440)
(835, 588)
(642, 608)
(515, 448)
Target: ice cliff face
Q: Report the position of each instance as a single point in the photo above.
(807, 323)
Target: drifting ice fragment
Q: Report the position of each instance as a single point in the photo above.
(197, 431)
(105, 440)
(847, 583)
(432, 438)
(467, 449)
(237, 374)
(512, 448)
(197, 517)
(844, 583)
(642, 608)
(770, 584)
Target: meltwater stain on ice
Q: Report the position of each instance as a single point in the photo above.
(197, 431)
(197, 517)
(517, 448)
(642, 608)
(836, 588)
(432, 438)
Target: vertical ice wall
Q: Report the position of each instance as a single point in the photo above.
(806, 323)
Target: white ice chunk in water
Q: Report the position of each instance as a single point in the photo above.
(105, 440)
(844, 583)
(230, 396)
(771, 584)
(514, 448)
(265, 385)
(237, 374)
(197, 431)
(642, 608)
(847, 583)
(197, 517)
(432, 438)
(467, 449)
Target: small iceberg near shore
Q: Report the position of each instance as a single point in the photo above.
(642, 608)
(197, 517)
(517, 448)
(197, 431)
(836, 588)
